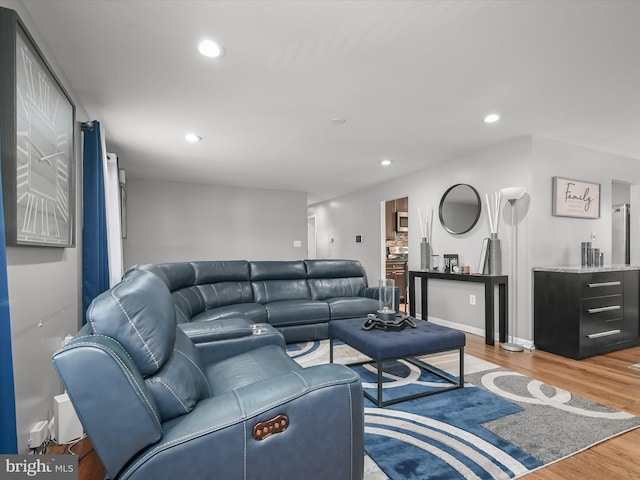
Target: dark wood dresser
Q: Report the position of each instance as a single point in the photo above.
(582, 312)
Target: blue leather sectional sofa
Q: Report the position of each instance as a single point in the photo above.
(157, 407)
(298, 298)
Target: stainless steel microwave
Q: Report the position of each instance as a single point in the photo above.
(402, 221)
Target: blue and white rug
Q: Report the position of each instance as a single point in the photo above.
(502, 425)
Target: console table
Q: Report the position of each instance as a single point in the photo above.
(489, 281)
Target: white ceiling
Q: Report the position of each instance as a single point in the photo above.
(413, 79)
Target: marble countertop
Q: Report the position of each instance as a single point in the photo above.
(579, 269)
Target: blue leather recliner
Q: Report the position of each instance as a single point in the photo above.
(155, 409)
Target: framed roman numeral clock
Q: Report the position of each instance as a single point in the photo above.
(37, 122)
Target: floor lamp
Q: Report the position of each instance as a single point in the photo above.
(512, 195)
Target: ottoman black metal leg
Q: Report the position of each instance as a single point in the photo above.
(331, 349)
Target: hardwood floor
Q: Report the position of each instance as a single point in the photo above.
(89, 465)
(606, 379)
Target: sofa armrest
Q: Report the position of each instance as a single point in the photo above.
(324, 433)
(260, 334)
(117, 406)
(222, 329)
(374, 292)
(370, 292)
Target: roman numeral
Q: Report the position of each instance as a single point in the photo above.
(28, 68)
(45, 88)
(22, 176)
(29, 221)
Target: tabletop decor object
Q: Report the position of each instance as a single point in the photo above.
(495, 252)
(426, 227)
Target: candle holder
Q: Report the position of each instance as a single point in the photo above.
(387, 299)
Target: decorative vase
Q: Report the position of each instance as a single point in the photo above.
(495, 255)
(424, 254)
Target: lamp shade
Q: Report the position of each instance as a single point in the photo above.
(513, 193)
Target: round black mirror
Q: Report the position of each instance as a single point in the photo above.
(460, 208)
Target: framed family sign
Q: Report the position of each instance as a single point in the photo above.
(575, 198)
(36, 142)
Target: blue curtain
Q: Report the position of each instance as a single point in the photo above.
(8, 433)
(95, 256)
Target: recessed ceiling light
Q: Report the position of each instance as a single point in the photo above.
(192, 138)
(491, 118)
(386, 163)
(210, 49)
(338, 121)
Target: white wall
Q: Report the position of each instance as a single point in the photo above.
(543, 240)
(172, 221)
(557, 240)
(44, 294)
(360, 213)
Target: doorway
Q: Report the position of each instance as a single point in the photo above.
(311, 237)
(620, 223)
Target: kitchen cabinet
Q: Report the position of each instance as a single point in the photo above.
(391, 207)
(397, 271)
(582, 312)
(390, 220)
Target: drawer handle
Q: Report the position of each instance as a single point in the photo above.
(603, 334)
(604, 284)
(603, 309)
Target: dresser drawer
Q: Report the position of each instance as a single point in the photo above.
(602, 308)
(602, 284)
(600, 334)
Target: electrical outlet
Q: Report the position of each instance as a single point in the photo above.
(472, 299)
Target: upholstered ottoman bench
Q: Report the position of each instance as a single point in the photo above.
(387, 345)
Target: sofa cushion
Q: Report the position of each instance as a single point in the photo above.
(222, 329)
(269, 291)
(334, 269)
(177, 275)
(139, 314)
(298, 312)
(221, 271)
(323, 288)
(225, 293)
(277, 270)
(348, 307)
(304, 333)
(254, 311)
(181, 382)
(250, 367)
(188, 302)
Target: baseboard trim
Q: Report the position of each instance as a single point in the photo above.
(528, 344)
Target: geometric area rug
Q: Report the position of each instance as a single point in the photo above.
(501, 425)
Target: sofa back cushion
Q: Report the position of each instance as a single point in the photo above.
(223, 283)
(216, 295)
(335, 278)
(334, 269)
(198, 286)
(139, 314)
(187, 302)
(220, 271)
(274, 281)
